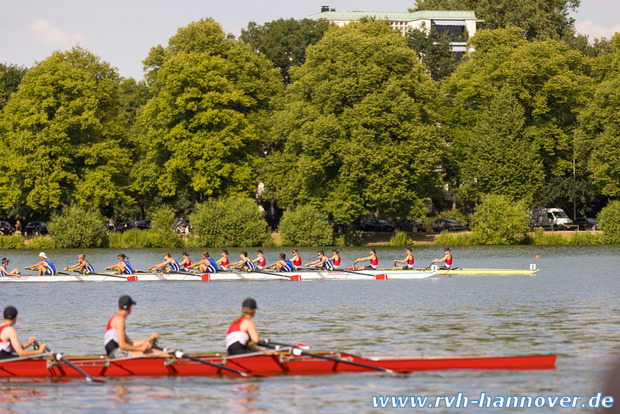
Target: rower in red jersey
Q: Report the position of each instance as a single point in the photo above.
(335, 259)
(374, 261)
(407, 261)
(260, 260)
(447, 259)
(296, 259)
(186, 262)
(117, 343)
(223, 262)
(9, 344)
(242, 334)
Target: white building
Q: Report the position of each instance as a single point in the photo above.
(458, 25)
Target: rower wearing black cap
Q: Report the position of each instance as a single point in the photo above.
(242, 334)
(446, 260)
(5, 272)
(9, 343)
(374, 261)
(407, 261)
(123, 266)
(117, 343)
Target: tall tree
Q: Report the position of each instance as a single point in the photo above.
(10, 78)
(433, 50)
(203, 129)
(499, 158)
(357, 133)
(63, 134)
(537, 19)
(284, 42)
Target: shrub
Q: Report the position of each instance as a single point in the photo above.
(400, 239)
(305, 226)
(499, 220)
(161, 233)
(76, 227)
(452, 214)
(609, 219)
(231, 222)
(350, 238)
(11, 242)
(447, 238)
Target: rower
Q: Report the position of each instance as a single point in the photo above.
(206, 265)
(186, 262)
(283, 264)
(407, 261)
(123, 266)
(296, 259)
(374, 261)
(322, 261)
(242, 335)
(447, 259)
(223, 262)
(245, 263)
(117, 343)
(335, 258)
(5, 272)
(260, 260)
(9, 343)
(82, 266)
(168, 265)
(44, 267)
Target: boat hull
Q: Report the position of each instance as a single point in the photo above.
(261, 365)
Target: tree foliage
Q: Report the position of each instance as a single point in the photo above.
(204, 126)
(284, 42)
(77, 227)
(500, 219)
(231, 222)
(10, 78)
(305, 226)
(357, 132)
(499, 158)
(537, 19)
(433, 50)
(62, 133)
(609, 219)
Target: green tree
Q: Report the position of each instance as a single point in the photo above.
(433, 50)
(499, 157)
(284, 42)
(162, 228)
(537, 19)
(76, 227)
(305, 226)
(609, 219)
(62, 134)
(10, 78)
(500, 219)
(230, 222)
(357, 133)
(204, 127)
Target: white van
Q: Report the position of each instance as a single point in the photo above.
(551, 219)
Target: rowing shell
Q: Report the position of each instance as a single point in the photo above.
(227, 276)
(260, 364)
(460, 271)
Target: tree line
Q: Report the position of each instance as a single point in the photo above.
(351, 121)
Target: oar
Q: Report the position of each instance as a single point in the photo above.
(180, 354)
(60, 357)
(301, 351)
(352, 271)
(269, 273)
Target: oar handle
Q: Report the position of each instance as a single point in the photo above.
(60, 357)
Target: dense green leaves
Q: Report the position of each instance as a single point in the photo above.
(499, 219)
(305, 226)
(76, 227)
(609, 219)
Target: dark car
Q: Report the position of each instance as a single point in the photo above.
(143, 224)
(586, 223)
(411, 225)
(447, 224)
(126, 225)
(35, 228)
(377, 225)
(6, 228)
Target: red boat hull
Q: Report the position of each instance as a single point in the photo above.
(262, 365)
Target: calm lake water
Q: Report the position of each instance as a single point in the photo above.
(569, 308)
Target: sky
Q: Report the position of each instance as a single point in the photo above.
(122, 32)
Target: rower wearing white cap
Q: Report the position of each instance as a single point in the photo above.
(44, 267)
(5, 272)
(117, 343)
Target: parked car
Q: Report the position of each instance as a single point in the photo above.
(143, 224)
(411, 225)
(586, 223)
(6, 228)
(377, 225)
(447, 224)
(551, 219)
(35, 228)
(126, 225)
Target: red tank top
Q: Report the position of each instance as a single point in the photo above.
(336, 260)
(410, 261)
(236, 326)
(297, 261)
(188, 264)
(109, 326)
(449, 259)
(2, 329)
(262, 262)
(225, 261)
(374, 261)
